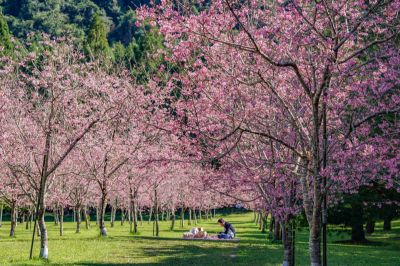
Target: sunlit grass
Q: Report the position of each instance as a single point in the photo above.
(123, 248)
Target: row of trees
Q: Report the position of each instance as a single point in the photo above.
(74, 134)
(294, 103)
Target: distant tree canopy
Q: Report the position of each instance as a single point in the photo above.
(56, 17)
(97, 42)
(101, 27)
(5, 38)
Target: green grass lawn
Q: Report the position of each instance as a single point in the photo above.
(123, 248)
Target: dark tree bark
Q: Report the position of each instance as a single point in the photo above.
(182, 217)
(1, 214)
(357, 227)
(78, 219)
(173, 219)
(55, 215)
(86, 217)
(44, 249)
(370, 227)
(156, 209)
(277, 231)
(150, 214)
(264, 223)
(140, 215)
(387, 223)
(195, 216)
(271, 226)
(288, 244)
(102, 212)
(28, 220)
(61, 215)
(13, 218)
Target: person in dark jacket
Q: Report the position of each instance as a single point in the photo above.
(229, 232)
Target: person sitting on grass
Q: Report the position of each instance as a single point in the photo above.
(229, 232)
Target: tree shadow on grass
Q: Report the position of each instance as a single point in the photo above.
(173, 255)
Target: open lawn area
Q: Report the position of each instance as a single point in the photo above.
(123, 248)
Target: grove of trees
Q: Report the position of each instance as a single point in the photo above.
(289, 107)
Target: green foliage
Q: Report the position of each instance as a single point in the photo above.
(371, 203)
(105, 28)
(5, 38)
(146, 54)
(125, 29)
(97, 42)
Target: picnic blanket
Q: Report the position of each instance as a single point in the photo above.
(198, 233)
(213, 238)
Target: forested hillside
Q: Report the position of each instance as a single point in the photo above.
(98, 27)
(56, 17)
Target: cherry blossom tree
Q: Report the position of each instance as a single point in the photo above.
(53, 102)
(309, 77)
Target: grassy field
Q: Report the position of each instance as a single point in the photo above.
(254, 248)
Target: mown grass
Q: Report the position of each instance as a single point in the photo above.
(254, 248)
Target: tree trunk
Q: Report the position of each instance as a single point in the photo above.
(156, 212)
(30, 222)
(97, 215)
(271, 227)
(112, 216)
(214, 213)
(86, 216)
(150, 214)
(288, 244)
(140, 216)
(387, 224)
(357, 222)
(74, 215)
(102, 212)
(314, 210)
(182, 217)
(1, 214)
(195, 216)
(55, 215)
(190, 217)
(13, 218)
(134, 212)
(122, 216)
(27, 220)
(61, 210)
(315, 244)
(173, 219)
(370, 227)
(130, 215)
(44, 249)
(22, 217)
(264, 223)
(277, 231)
(37, 229)
(78, 219)
(256, 220)
(357, 232)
